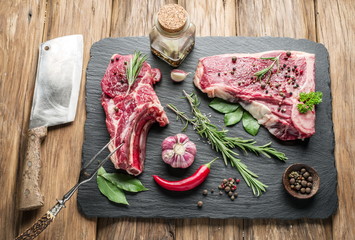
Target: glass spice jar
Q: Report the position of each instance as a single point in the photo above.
(172, 37)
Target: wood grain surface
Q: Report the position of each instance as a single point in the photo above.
(24, 24)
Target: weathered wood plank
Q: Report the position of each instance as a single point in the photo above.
(62, 147)
(336, 29)
(212, 18)
(277, 18)
(294, 19)
(20, 34)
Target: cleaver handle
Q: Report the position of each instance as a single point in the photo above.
(30, 196)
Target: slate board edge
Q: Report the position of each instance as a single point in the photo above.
(321, 45)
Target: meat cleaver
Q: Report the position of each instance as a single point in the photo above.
(54, 102)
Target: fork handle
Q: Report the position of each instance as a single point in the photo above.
(38, 227)
(42, 223)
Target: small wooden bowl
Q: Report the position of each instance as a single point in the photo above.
(298, 167)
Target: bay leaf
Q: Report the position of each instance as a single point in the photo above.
(250, 124)
(223, 106)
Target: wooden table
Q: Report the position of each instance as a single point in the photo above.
(25, 24)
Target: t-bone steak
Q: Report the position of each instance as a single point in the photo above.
(272, 99)
(129, 115)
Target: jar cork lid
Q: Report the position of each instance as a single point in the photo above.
(172, 18)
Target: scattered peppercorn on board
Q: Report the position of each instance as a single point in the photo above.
(318, 151)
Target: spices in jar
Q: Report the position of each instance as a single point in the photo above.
(172, 37)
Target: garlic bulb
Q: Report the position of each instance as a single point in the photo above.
(178, 151)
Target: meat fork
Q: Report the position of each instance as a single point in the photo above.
(49, 216)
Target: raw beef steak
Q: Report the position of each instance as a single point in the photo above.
(272, 99)
(129, 115)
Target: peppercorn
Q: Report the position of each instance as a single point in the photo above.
(292, 181)
(234, 59)
(234, 69)
(232, 198)
(235, 194)
(219, 74)
(304, 183)
(112, 60)
(288, 53)
(116, 109)
(225, 180)
(309, 184)
(237, 181)
(220, 192)
(227, 189)
(308, 190)
(125, 63)
(205, 192)
(284, 65)
(230, 194)
(232, 73)
(212, 190)
(199, 204)
(303, 190)
(310, 179)
(298, 187)
(306, 174)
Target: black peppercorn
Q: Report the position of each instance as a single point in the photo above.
(288, 54)
(199, 204)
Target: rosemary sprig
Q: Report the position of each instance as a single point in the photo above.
(259, 75)
(223, 144)
(134, 67)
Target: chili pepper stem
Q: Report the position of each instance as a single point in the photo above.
(209, 164)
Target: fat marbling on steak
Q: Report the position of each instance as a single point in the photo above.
(273, 99)
(129, 115)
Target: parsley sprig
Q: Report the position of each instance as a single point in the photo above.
(309, 100)
(220, 142)
(134, 67)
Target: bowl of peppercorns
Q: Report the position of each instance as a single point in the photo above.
(301, 181)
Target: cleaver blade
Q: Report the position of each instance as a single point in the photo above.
(54, 102)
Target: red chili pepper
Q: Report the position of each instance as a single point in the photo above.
(188, 183)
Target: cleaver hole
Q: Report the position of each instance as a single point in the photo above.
(46, 48)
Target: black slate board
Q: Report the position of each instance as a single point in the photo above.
(318, 151)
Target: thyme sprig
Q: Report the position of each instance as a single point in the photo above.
(220, 142)
(134, 67)
(260, 74)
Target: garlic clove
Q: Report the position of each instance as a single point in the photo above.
(190, 147)
(178, 75)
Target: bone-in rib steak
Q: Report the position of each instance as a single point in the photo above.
(272, 99)
(129, 115)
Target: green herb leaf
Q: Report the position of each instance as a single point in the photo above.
(111, 191)
(124, 182)
(223, 106)
(250, 124)
(309, 101)
(233, 117)
(260, 74)
(134, 67)
(101, 171)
